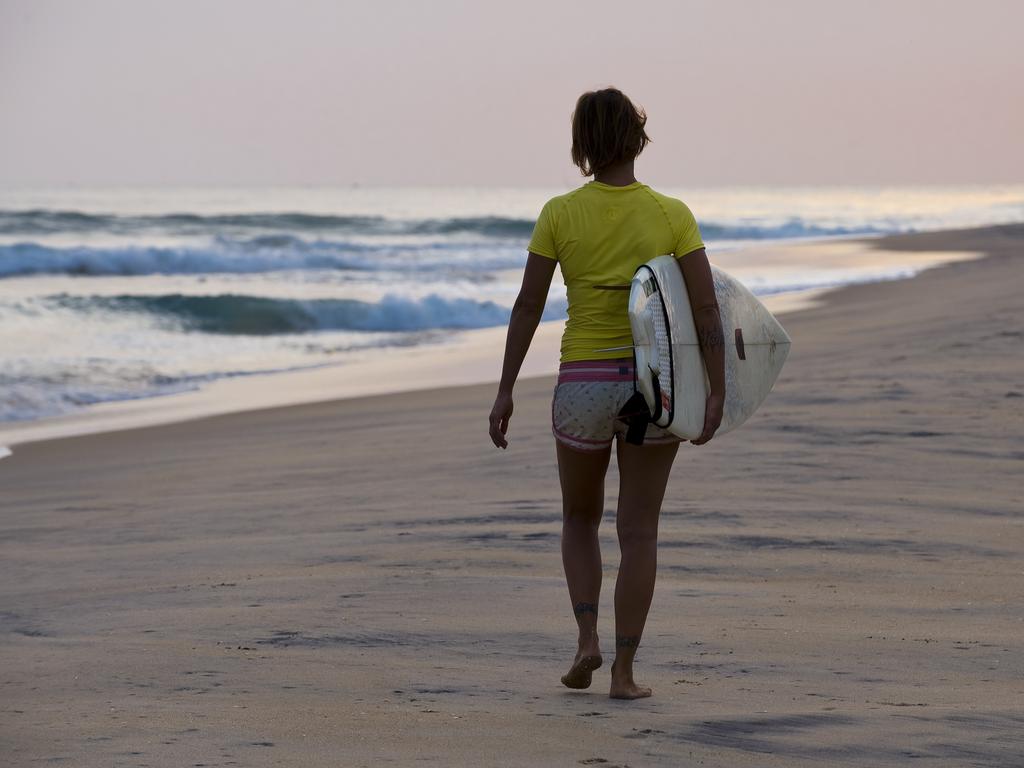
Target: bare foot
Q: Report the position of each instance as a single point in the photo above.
(628, 690)
(580, 674)
(623, 686)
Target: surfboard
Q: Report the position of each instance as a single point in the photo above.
(670, 369)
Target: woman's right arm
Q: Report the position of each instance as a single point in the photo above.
(700, 286)
(526, 314)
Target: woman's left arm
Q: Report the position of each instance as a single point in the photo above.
(700, 286)
(526, 314)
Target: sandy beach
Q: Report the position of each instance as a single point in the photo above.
(367, 581)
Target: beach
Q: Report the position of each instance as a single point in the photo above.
(367, 581)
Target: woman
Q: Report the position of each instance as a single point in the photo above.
(599, 234)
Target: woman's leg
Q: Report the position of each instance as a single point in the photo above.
(582, 478)
(643, 475)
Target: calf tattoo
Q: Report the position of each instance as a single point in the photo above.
(627, 641)
(582, 608)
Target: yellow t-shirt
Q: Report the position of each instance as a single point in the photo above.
(600, 234)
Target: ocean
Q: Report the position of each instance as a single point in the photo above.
(118, 294)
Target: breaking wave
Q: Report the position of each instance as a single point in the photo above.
(43, 221)
(261, 316)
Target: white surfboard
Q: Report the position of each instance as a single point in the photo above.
(669, 366)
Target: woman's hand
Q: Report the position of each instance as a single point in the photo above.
(500, 415)
(712, 418)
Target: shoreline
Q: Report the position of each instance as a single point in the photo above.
(468, 359)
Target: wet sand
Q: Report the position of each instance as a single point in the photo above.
(367, 581)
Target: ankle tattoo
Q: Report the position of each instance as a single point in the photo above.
(627, 641)
(581, 608)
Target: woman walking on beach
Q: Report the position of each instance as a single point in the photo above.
(599, 234)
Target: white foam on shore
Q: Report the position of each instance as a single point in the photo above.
(471, 357)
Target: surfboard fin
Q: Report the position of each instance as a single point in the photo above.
(637, 416)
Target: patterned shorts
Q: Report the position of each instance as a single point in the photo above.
(587, 399)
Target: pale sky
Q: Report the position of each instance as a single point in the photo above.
(447, 92)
